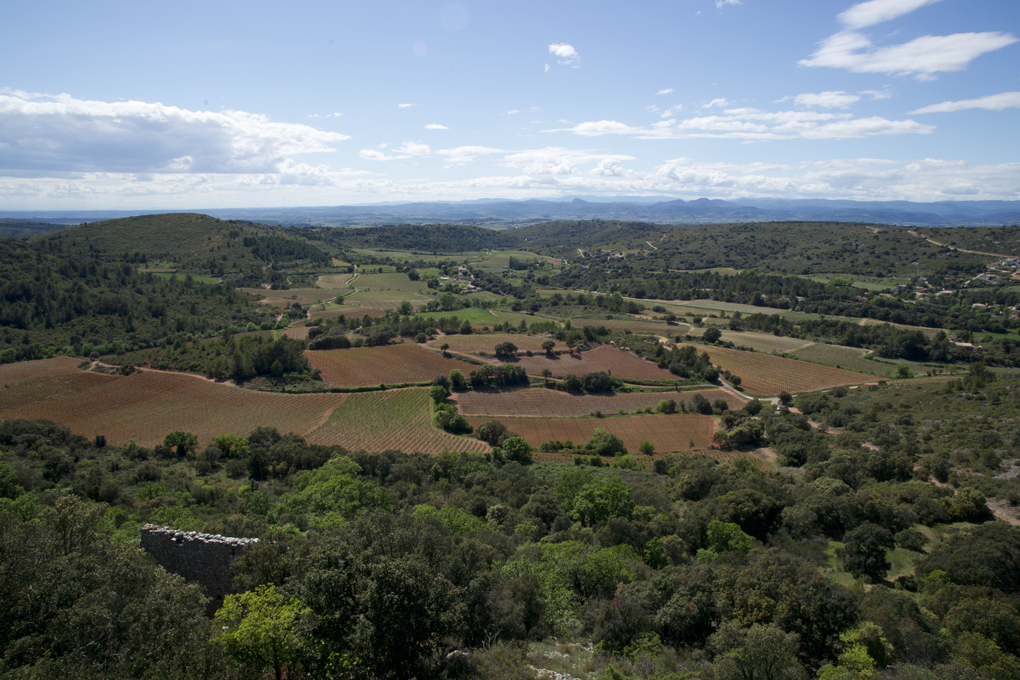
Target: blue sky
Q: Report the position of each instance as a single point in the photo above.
(246, 104)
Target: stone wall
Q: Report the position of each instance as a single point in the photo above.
(204, 559)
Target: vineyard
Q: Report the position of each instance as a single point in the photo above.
(682, 432)
(851, 358)
(605, 358)
(766, 374)
(397, 420)
(149, 405)
(539, 403)
(486, 342)
(48, 387)
(759, 342)
(386, 364)
(25, 370)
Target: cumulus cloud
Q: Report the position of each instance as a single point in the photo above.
(672, 111)
(568, 56)
(60, 133)
(466, 154)
(832, 99)
(992, 102)
(716, 102)
(753, 124)
(414, 149)
(922, 57)
(668, 90)
(559, 161)
(722, 3)
(874, 12)
(436, 126)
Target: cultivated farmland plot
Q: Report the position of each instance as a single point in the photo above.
(486, 342)
(759, 342)
(49, 387)
(24, 370)
(766, 374)
(681, 432)
(605, 358)
(842, 357)
(394, 419)
(635, 326)
(386, 364)
(149, 405)
(539, 403)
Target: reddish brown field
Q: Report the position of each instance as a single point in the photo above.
(149, 405)
(398, 420)
(536, 402)
(604, 358)
(666, 433)
(388, 364)
(768, 375)
(48, 387)
(297, 332)
(486, 342)
(24, 370)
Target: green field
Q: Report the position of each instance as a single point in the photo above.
(759, 342)
(866, 282)
(842, 357)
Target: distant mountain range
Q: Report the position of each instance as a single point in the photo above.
(509, 214)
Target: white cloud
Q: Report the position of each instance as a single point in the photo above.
(436, 126)
(466, 154)
(560, 161)
(333, 115)
(716, 102)
(753, 124)
(568, 56)
(414, 149)
(830, 99)
(546, 70)
(874, 12)
(877, 94)
(992, 102)
(63, 134)
(652, 107)
(922, 57)
(404, 106)
(373, 155)
(722, 3)
(672, 111)
(668, 90)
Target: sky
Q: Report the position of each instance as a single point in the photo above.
(222, 104)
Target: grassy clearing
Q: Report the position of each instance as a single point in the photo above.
(759, 342)
(198, 278)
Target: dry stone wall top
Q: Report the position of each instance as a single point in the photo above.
(204, 559)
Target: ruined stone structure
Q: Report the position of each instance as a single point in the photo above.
(204, 559)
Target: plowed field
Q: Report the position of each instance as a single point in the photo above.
(605, 358)
(540, 403)
(149, 405)
(394, 419)
(681, 432)
(388, 364)
(49, 387)
(486, 342)
(23, 370)
(767, 374)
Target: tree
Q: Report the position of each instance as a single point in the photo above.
(761, 652)
(516, 449)
(405, 308)
(506, 349)
(864, 551)
(548, 346)
(711, 335)
(183, 443)
(262, 629)
(457, 380)
(647, 448)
